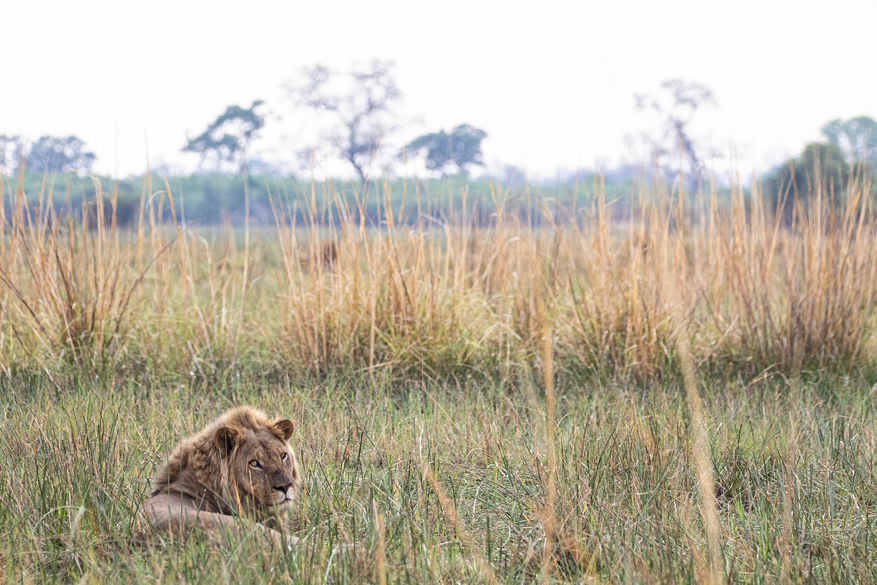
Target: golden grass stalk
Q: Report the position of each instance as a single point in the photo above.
(789, 460)
(465, 537)
(381, 552)
(703, 464)
(549, 518)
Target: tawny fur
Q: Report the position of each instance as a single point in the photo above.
(209, 481)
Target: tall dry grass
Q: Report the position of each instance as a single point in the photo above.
(427, 292)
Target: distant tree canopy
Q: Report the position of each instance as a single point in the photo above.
(460, 148)
(846, 161)
(821, 168)
(53, 153)
(856, 138)
(363, 110)
(228, 138)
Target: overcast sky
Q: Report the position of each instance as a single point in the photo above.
(551, 82)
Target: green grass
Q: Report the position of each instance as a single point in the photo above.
(794, 477)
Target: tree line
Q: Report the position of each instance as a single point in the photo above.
(360, 112)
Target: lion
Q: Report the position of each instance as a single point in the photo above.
(238, 470)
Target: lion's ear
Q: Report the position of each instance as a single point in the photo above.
(283, 429)
(226, 439)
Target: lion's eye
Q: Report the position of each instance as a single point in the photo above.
(254, 463)
(283, 456)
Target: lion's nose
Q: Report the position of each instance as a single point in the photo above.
(283, 488)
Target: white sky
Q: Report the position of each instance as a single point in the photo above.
(551, 81)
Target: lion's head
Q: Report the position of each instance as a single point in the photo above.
(241, 462)
(259, 466)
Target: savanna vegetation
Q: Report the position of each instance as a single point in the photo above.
(546, 390)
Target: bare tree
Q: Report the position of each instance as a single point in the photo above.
(677, 103)
(363, 113)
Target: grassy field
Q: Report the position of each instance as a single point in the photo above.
(682, 396)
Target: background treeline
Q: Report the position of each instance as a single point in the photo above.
(217, 199)
(360, 110)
